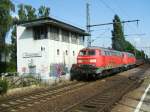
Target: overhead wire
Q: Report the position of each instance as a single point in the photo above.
(113, 10)
(106, 5)
(126, 14)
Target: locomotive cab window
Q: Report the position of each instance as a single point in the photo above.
(91, 52)
(82, 53)
(87, 52)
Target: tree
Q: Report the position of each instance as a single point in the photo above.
(22, 13)
(30, 12)
(129, 47)
(43, 11)
(117, 35)
(26, 12)
(118, 40)
(6, 6)
(14, 49)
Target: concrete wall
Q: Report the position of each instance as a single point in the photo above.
(42, 54)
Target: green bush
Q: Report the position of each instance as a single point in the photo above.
(2, 67)
(3, 86)
(10, 67)
(7, 67)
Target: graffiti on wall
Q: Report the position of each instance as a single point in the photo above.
(57, 70)
(23, 69)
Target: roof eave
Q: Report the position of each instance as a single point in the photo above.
(55, 22)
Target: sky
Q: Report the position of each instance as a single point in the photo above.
(103, 11)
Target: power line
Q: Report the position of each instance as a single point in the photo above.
(135, 34)
(94, 25)
(113, 23)
(124, 12)
(111, 9)
(146, 47)
(96, 38)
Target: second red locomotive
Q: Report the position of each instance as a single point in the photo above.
(93, 62)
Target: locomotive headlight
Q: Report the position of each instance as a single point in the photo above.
(93, 60)
(79, 61)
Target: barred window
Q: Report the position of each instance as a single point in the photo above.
(65, 36)
(74, 38)
(58, 52)
(81, 40)
(40, 32)
(54, 33)
(66, 52)
(73, 53)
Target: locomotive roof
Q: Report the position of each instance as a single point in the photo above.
(105, 49)
(102, 48)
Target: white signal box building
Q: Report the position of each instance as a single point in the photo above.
(47, 47)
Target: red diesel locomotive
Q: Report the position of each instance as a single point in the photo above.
(94, 62)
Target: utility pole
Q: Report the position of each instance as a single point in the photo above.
(88, 23)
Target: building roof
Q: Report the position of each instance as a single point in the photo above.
(55, 22)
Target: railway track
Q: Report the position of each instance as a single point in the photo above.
(101, 95)
(102, 91)
(103, 101)
(21, 102)
(40, 91)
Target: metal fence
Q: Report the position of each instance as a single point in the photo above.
(15, 80)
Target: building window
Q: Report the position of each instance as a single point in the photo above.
(65, 36)
(81, 40)
(54, 33)
(58, 52)
(73, 53)
(74, 38)
(66, 52)
(40, 32)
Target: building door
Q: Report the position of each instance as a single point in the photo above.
(32, 69)
(66, 61)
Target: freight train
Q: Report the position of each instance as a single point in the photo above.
(96, 62)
